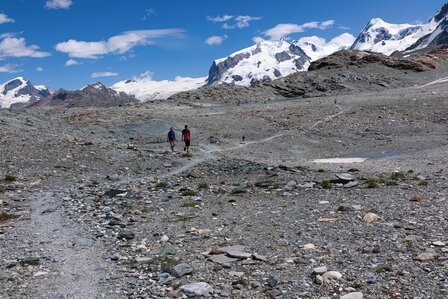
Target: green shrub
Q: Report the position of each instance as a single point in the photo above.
(325, 185)
(189, 204)
(161, 185)
(372, 183)
(423, 183)
(396, 175)
(391, 183)
(10, 178)
(188, 193)
(202, 185)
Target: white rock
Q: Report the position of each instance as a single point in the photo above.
(332, 275)
(40, 273)
(354, 295)
(439, 244)
(197, 289)
(370, 217)
(164, 239)
(309, 246)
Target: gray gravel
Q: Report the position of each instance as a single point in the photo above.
(94, 205)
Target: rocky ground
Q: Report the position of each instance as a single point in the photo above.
(92, 205)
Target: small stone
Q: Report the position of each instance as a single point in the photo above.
(260, 257)
(197, 289)
(426, 256)
(181, 270)
(320, 270)
(143, 260)
(126, 234)
(238, 190)
(331, 276)
(194, 174)
(309, 246)
(167, 165)
(164, 239)
(354, 295)
(327, 219)
(40, 273)
(370, 217)
(272, 281)
(222, 260)
(439, 244)
(32, 260)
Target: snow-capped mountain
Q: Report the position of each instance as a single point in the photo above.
(19, 92)
(93, 95)
(316, 47)
(265, 61)
(145, 89)
(439, 35)
(382, 37)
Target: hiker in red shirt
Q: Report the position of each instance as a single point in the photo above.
(186, 138)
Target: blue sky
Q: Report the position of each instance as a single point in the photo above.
(69, 43)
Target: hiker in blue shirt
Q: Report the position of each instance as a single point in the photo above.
(171, 138)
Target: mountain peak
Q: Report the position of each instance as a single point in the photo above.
(442, 13)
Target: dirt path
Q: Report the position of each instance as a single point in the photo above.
(75, 263)
(208, 151)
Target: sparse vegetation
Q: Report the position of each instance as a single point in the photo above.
(202, 185)
(372, 183)
(5, 216)
(161, 185)
(391, 183)
(423, 183)
(144, 210)
(396, 175)
(9, 178)
(325, 185)
(188, 193)
(2, 189)
(189, 204)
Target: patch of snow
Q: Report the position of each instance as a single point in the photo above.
(147, 89)
(339, 160)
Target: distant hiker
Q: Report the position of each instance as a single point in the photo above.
(171, 138)
(186, 138)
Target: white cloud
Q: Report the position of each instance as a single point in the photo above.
(148, 13)
(9, 68)
(9, 34)
(71, 62)
(5, 19)
(219, 18)
(58, 4)
(237, 21)
(145, 77)
(284, 30)
(244, 21)
(103, 74)
(39, 69)
(215, 40)
(16, 47)
(118, 44)
(257, 39)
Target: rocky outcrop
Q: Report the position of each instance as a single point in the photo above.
(358, 58)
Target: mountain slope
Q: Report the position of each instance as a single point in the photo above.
(19, 92)
(439, 36)
(93, 95)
